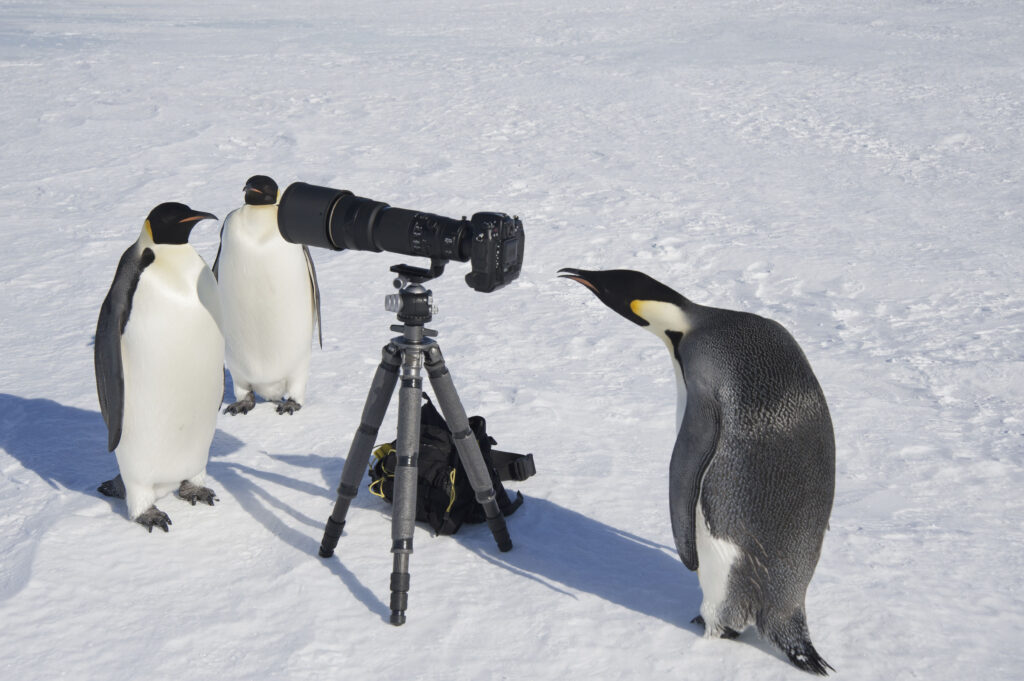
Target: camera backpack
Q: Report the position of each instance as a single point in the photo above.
(444, 497)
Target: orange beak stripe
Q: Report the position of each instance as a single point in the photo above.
(584, 282)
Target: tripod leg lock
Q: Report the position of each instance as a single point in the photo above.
(400, 586)
(332, 532)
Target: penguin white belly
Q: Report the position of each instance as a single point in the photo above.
(267, 301)
(173, 355)
(715, 558)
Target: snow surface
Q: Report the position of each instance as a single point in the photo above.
(851, 169)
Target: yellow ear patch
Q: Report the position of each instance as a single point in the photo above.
(661, 316)
(149, 229)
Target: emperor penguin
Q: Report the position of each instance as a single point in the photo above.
(752, 474)
(271, 303)
(159, 359)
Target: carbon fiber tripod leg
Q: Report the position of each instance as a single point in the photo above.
(466, 444)
(403, 519)
(376, 406)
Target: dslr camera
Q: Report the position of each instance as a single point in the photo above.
(338, 219)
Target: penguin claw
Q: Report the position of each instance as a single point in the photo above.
(727, 632)
(154, 517)
(242, 406)
(288, 406)
(193, 493)
(112, 488)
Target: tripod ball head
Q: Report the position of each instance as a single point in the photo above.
(413, 304)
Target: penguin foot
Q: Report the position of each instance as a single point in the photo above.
(112, 488)
(288, 406)
(242, 406)
(727, 632)
(154, 517)
(193, 493)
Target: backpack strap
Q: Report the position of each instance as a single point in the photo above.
(511, 506)
(512, 466)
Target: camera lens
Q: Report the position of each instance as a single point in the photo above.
(353, 221)
(303, 214)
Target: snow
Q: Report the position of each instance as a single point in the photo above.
(849, 169)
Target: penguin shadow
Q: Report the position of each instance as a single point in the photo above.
(571, 553)
(252, 490)
(67, 446)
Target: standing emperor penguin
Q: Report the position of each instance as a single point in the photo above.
(159, 360)
(752, 474)
(271, 303)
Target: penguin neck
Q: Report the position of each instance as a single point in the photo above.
(260, 222)
(671, 323)
(177, 261)
(672, 341)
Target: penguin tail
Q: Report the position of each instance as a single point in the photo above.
(792, 638)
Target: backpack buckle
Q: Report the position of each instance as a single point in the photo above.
(522, 468)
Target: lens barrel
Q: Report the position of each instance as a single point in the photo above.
(304, 213)
(338, 219)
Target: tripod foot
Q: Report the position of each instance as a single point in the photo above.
(398, 617)
(500, 532)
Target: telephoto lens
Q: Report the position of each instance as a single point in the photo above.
(338, 219)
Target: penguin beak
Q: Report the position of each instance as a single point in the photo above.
(580, 276)
(197, 216)
(610, 287)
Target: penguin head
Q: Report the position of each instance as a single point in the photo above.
(260, 190)
(171, 223)
(637, 297)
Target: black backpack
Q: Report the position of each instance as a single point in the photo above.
(444, 497)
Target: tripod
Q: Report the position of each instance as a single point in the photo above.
(404, 357)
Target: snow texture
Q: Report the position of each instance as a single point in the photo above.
(852, 170)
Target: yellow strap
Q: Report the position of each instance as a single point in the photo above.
(375, 488)
(451, 495)
(382, 450)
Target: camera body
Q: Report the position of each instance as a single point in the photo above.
(496, 250)
(338, 219)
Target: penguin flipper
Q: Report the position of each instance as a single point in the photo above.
(114, 314)
(216, 260)
(695, 446)
(316, 293)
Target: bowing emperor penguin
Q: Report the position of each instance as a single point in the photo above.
(271, 304)
(159, 360)
(752, 474)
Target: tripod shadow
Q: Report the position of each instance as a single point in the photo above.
(245, 484)
(569, 553)
(555, 546)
